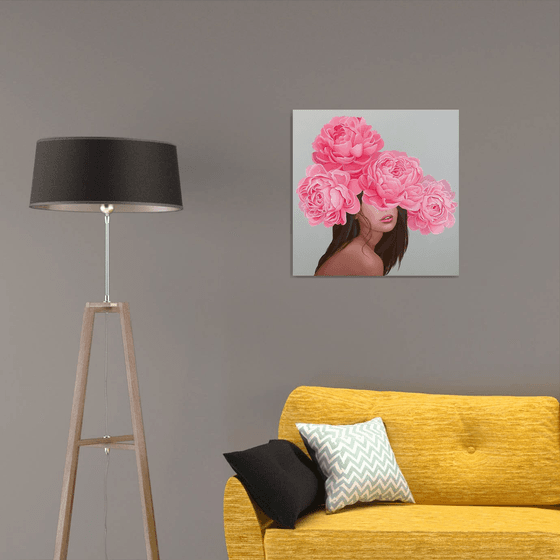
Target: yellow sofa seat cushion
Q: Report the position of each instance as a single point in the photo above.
(451, 449)
(399, 530)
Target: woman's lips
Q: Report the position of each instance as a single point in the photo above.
(387, 219)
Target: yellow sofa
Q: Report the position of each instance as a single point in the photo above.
(484, 472)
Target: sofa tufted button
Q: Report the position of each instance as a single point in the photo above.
(470, 449)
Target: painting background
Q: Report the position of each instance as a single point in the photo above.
(432, 136)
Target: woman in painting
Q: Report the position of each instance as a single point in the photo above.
(368, 244)
(371, 198)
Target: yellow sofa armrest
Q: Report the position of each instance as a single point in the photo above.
(244, 523)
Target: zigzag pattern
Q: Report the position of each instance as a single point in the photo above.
(358, 463)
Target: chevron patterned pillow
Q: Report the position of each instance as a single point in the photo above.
(357, 462)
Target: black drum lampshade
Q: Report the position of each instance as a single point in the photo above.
(81, 173)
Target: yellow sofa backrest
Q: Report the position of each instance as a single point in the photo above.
(452, 449)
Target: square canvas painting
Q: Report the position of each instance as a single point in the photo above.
(375, 193)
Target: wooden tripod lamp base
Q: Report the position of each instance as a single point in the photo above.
(136, 441)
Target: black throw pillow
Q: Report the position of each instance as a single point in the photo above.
(281, 478)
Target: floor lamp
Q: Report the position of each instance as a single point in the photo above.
(91, 174)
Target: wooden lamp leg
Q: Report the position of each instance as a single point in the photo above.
(71, 464)
(76, 420)
(150, 534)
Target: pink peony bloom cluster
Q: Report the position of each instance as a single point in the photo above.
(346, 143)
(348, 161)
(437, 207)
(326, 196)
(392, 179)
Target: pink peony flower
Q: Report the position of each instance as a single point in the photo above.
(326, 196)
(437, 207)
(346, 143)
(392, 179)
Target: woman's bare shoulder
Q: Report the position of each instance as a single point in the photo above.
(351, 261)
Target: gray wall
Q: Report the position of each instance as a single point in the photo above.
(223, 332)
